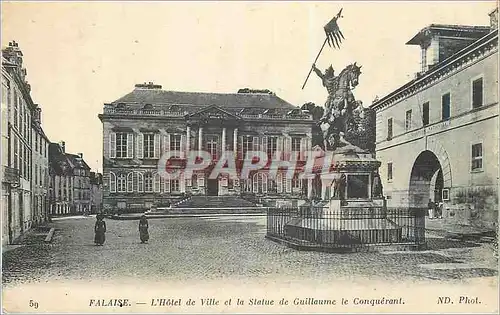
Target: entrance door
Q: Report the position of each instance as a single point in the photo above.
(212, 187)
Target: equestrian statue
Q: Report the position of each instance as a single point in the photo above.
(341, 106)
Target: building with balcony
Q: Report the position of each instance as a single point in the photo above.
(437, 135)
(70, 188)
(142, 125)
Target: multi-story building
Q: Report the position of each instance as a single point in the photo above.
(437, 135)
(96, 192)
(70, 189)
(17, 113)
(140, 126)
(40, 169)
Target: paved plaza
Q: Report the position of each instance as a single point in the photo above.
(224, 247)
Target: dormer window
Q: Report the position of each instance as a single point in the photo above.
(120, 106)
(148, 107)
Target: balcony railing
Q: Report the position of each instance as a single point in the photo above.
(169, 113)
(11, 175)
(277, 117)
(144, 112)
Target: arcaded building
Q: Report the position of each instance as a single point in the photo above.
(437, 135)
(140, 126)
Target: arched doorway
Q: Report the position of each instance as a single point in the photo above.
(426, 181)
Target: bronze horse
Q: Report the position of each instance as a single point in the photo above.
(340, 102)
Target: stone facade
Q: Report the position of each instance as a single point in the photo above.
(95, 192)
(40, 169)
(70, 187)
(437, 136)
(23, 144)
(144, 124)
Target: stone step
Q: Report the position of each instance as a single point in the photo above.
(215, 202)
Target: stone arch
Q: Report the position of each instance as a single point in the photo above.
(442, 156)
(430, 173)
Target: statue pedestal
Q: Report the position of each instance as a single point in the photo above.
(354, 217)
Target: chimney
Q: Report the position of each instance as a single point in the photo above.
(149, 86)
(38, 114)
(80, 155)
(494, 19)
(62, 144)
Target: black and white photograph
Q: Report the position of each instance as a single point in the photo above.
(249, 157)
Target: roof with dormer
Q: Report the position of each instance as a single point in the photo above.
(157, 96)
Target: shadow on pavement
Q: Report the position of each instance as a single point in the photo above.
(444, 243)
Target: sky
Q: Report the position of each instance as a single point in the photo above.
(80, 55)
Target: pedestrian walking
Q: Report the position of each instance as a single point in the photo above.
(100, 230)
(143, 229)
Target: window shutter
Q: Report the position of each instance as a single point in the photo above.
(288, 185)
(162, 184)
(255, 143)
(264, 144)
(112, 145)
(130, 145)
(182, 183)
(140, 146)
(256, 183)
(279, 183)
(302, 149)
(281, 147)
(130, 182)
(240, 147)
(112, 182)
(167, 185)
(157, 145)
(264, 182)
(286, 148)
(156, 182)
(167, 139)
(165, 147)
(140, 182)
(183, 146)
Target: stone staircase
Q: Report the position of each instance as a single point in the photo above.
(208, 205)
(219, 202)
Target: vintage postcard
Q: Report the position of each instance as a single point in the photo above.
(249, 157)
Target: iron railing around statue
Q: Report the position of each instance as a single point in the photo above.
(347, 228)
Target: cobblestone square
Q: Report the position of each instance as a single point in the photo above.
(225, 247)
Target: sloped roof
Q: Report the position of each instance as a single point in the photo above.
(77, 161)
(59, 162)
(232, 100)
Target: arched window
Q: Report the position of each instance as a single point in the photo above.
(148, 182)
(121, 183)
(112, 182)
(140, 182)
(156, 183)
(130, 182)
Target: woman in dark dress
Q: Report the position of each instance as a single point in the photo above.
(143, 229)
(100, 229)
